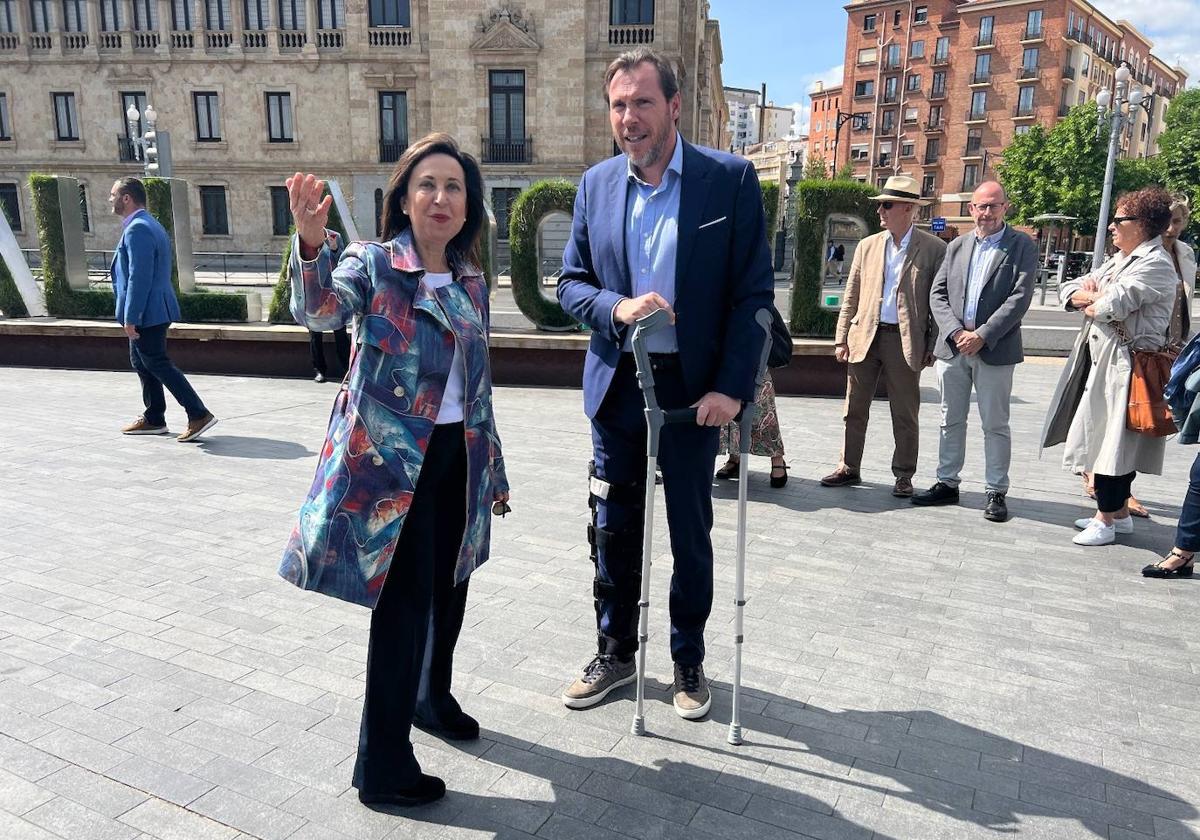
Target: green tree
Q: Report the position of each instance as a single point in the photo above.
(846, 173)
(815, 168)
(1179, 147)
(1025, 175)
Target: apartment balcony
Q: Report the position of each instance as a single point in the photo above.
(985, 40)
(1075, 35)
(1032, 36)
(499, 150)
(1028, 74)
(932, 160)
(981, 79)
(864, 96)
(935, 125)
(976, 117)
(255, 40)
(127, 152)
(973, 150)
(1023, 112)
(936, 94)
(144, 40)
(859, 127)
(390, 150)
(292, 40)
(9, 41)
(330, 39)
(182, 40)
(883, 160)
(1068, 73)
(74, 41)
(110, 41)
(940, 60)
(631, 35)
(41, 42)
(389, 36)
(929, 192)
(891, 65)
(218, 39)
(890, 98)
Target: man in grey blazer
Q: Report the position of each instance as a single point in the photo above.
(979, 297)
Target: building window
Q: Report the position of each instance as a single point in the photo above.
(907, 150)
(861, 121)
(892, 59)
(389, 13)
(1021, 129)
(291, 15)
(254, 14)
(864, 87)
(279, 117)
(891, 88)
(1025, 100)
(281, 212)
(110, 15)
(983, 68)
(888, 122)
(181, 15)
(393, 125)
(941, 50)
(39, 16)
(867, 55)
(910, 115)
(974, 141)
(66, 118)
(970, 177)
(917, 50)
(137, 99)
(216, 15)
(933, 149)
(896, 19)
(74, 16)
(502, 202)
(935, 115)
(869, 22)
(859, 153)
(145, 16)
(631, 12)
(11, 206)
(507, 97)
(5, 124)
(1029, 59)
(1033, 24)
(213, 210)
(921, 14)
(913, 82)
(978, 104)
(331, 14)
(8, 18)
(928, 184)
(939, 83)
(986, 25)
(208, 118)
(83, 209)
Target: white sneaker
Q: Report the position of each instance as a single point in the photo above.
(1122, 526)
(1096, 533)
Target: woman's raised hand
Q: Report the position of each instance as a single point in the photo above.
(309, 211)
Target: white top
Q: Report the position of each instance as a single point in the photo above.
(452, 400)
(893, 261)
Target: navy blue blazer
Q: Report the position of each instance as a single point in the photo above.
(141, 274)
(723, 273)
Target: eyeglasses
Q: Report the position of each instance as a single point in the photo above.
(1118, 219)
(986, 208)
(501, 509)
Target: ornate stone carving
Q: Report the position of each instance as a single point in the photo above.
(505, 29)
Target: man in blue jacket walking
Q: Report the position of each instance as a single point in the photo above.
(146, 306)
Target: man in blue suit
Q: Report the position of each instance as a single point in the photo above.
(146, 306)
(666, 225)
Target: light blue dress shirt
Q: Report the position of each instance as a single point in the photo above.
(983, 257)
(651, 240)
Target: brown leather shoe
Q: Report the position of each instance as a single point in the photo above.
(841, 477)
(903, 488)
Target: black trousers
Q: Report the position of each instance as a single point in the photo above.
(316, 349)
(416, 621)
(1112, 491)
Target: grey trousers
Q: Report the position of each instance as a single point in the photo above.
(993, 392)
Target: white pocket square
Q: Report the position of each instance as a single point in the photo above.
(713, 222)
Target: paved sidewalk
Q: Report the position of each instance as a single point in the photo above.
(912, 674)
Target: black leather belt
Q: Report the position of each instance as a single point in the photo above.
(889, 327)
(664, 361)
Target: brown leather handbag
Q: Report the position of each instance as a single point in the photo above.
(1147, 412)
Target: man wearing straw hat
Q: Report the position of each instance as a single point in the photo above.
(886, 329)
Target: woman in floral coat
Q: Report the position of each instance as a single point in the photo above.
(398, 515)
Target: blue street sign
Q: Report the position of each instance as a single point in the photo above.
(938, 225)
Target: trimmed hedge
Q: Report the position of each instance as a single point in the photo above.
(815, 200)
(280, 311)
(158, 204)
(770, 197)
(64, 302)
(531, 206)
(11, 303)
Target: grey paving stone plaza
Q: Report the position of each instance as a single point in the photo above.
(911, 674)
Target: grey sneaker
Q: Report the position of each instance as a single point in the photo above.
(600, 676)
(692, 697)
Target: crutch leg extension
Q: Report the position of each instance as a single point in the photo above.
(656, 418)
(749, 410)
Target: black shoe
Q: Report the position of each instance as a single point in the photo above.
(778, 481)
(457, 726)
(1185, 569)
(938, 494)
(996, 509)
(427, 789)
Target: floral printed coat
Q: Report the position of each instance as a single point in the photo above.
(384, 416)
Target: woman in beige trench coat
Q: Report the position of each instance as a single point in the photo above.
(1134, 293)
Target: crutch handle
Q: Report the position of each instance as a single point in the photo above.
(679, 415)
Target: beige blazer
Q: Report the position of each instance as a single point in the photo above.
(859, 318)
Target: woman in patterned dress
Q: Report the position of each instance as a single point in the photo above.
(765, 438)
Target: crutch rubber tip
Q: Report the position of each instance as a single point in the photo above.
(735, 735)
(639, 726)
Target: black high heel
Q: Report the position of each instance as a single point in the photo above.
(778, 481)
(1157, 571)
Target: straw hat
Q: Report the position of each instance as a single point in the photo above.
(901, 188)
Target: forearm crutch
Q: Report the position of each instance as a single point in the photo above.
(656, 418)
(749, 412)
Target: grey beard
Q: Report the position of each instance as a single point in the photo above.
(651, 157)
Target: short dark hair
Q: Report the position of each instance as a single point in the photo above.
(642, 55)
(1151, 206)
(134, 188)
(464, 247)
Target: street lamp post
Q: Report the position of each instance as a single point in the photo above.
(153, 146)
(1119, 111)
(842, 119)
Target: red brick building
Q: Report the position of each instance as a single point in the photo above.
(936, 89)
(822, 123)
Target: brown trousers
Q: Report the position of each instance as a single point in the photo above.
(885, 357)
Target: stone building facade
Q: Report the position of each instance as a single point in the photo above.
(936, 89)
(251, 91)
